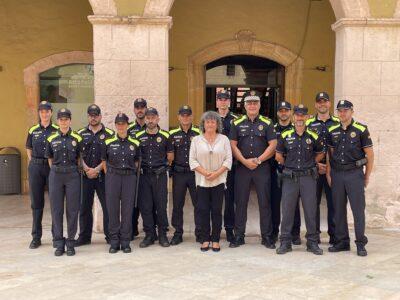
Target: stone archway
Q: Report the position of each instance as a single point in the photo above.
(245, 43)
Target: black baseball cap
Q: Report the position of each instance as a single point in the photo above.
(45, 105)
(223, 95)
(121, 118)
(151, 111)
(344, 104)
(186, 109)
(322, 96)
(64, 113)
(140, 102)
(94, 110)
(284, 105)
(300, 109)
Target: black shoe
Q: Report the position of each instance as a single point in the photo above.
(81, 242)
(314, 248)
(147, 241)
(361, 251)
(113, 250)
(237, 242)
(216, 249)
(339, 248)
(59, 251)
(230, 237)
(176, 240)
(268, 243)
(163, 240)
(35, 244)
(284, 248)
(70, 251)
(205, 249)
(296, 240)
(198, 239)
(126, 249)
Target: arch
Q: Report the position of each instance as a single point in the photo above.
(244, 44)
(103, 7)
(32, 72)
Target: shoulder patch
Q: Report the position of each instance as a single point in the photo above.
(77, 136)
(172, 131)
(287, 132)
(111, 139)
(359, 126)
(140, 133)
(240, 120)
(313, 134)
(52, 137)
(164, 133)
(109, 131)
(265, 120)
(333, 127)
(134, 141)
(32, 129)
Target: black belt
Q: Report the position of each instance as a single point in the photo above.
(298, 173)
(156, 171)
(39, 161)
(344, 167)
(59, 169)
(179, 169)
(121, 171)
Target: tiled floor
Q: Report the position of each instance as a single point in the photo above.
(183, 272)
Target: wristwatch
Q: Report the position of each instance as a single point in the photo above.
(258, 161)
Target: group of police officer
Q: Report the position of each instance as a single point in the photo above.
(297, 158)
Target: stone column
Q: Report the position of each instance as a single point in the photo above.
(130, 61)
(367, 72)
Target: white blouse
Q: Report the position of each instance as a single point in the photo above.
(211, 157)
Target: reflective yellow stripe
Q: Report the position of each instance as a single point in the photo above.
(238, 121)
(359, 126)
(313, 134)
(265, 120)
(235, 116)
(77, 136)
(309, 121)
(287, 132)
(55, 126)
(164, 133)
(52, 137)
(112, 139)
(333, 127)
(135, 141)
(32, 129)
(195, 129)
(174, 130)
(81, 130)
(109, 131)
(131, 125)
(140, 133)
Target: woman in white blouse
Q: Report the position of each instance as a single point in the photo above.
(211, 158)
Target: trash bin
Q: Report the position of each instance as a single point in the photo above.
(10, 171)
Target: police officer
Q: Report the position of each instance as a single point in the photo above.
(350, 148)
(153, 191)
(63, 151)
(183, 178)
(120, 155)
(223, 104)
(284, 123)
(38, 167)
(253, 141)
(94, 135)
(299, 150)
(320, 124)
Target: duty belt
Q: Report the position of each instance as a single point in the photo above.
(121, 171)
(346, 167)
(39, 161)
(179, 169)
(299, 173)
(60, 169)
(155, 171)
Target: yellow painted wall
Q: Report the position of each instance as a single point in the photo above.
(130, 7)
(382, 8)
(29, 31)
(198, 24)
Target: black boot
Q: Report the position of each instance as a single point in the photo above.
(296, 240)
(163, 240)
(230, 237)
(113, 249)
(126, 249)
(237, 242)
(59, 251)
(176, 239)
(314, 248)
(284, 248)
(70, 251)
(361, 251)
(35, 244)
(268, 242)
(147, 241)
(339, 247)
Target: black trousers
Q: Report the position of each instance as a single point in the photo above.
(305, 188)
(64, 185)
(38, 176)
(229, 210)
(120, 192)
(322, 185)
(86, 211)
(349, 184)
(153, 194)
(276, 195)
(209, 201)
(180, 184)
(261, 177)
